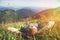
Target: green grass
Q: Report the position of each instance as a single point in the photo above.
(54, 34)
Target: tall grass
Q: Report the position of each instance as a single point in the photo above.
(54, 34)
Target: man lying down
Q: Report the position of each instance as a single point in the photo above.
(30, 29)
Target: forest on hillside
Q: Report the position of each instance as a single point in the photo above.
(9, 15)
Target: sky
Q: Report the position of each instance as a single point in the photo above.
(30, 3)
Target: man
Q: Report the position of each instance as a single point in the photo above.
(29, 30)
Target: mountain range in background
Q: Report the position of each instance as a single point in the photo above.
(40, 14)
(23, 12)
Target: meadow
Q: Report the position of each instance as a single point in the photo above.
(46, 34)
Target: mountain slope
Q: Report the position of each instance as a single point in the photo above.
(25, 12)
(49, 14)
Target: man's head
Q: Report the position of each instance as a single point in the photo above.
(31, 29)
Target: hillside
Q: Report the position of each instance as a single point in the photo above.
(49, 14)
(24, 12)
(11, 15)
